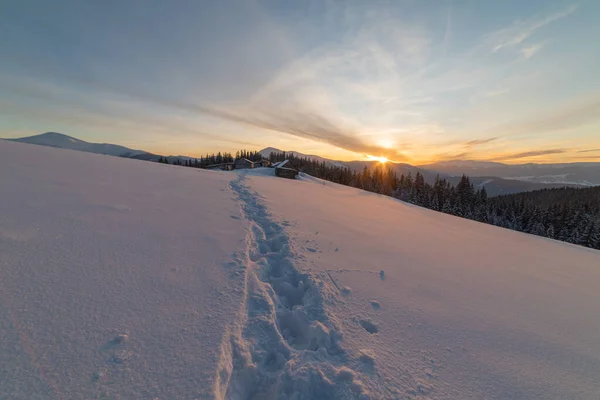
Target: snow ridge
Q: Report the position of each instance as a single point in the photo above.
(285, 344)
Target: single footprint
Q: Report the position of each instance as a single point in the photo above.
(117, 340)
(375, 304)
(367, 356)
(369, 326)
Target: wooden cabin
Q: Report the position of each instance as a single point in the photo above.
(243, 163)
(289, 173)
(223, 167)
(262, 163)
(283, 170)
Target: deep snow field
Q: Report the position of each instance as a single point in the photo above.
(125, 279)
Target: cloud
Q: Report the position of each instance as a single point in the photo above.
(448, 33)
(277, 113)
(519, 31)
(528, 52)
(494, 93)
(81, 118)
(305, 124)
(478, 142)
(568, 116)
(364, 68)
(297, 120)
(458, 156)
(588, 151)
(527, 154)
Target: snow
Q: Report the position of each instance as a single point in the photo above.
(465, 310)
(92, 247)
(133, 280)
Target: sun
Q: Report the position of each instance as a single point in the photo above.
(382, 160)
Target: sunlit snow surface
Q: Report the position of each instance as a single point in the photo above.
(124, 279)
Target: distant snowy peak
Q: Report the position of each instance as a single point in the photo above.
(55, 139)
(268, 150)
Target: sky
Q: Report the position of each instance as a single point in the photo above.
(412, 81)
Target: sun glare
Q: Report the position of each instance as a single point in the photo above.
(386, 143)
(382, 160)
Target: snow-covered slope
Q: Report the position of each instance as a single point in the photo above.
(241, 285)
(450, 308)
(54, 139)
(92, 247)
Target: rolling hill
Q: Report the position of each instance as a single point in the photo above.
(54, 139)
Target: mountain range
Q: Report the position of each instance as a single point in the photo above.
(498, 178)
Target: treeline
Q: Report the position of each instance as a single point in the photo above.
(567, 214)
(318, 169)
(211, 159)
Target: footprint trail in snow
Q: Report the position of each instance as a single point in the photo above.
(285, 345)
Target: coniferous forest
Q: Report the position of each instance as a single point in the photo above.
(567, 214)
(211, 159)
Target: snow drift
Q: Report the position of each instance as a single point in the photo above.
(129, 279)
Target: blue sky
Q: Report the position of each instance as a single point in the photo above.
(414, 81)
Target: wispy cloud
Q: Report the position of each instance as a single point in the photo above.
(458, 156)
(495, 93)
(568, 116)
(448, 33)
(304, 124)
(478, 142)
(527, 154)
(293, 119)
(345, 74)
(528, 52)
(519, 31)
(588, 151)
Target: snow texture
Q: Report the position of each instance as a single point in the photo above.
(124, 279)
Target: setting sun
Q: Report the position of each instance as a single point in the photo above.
(382, 160)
